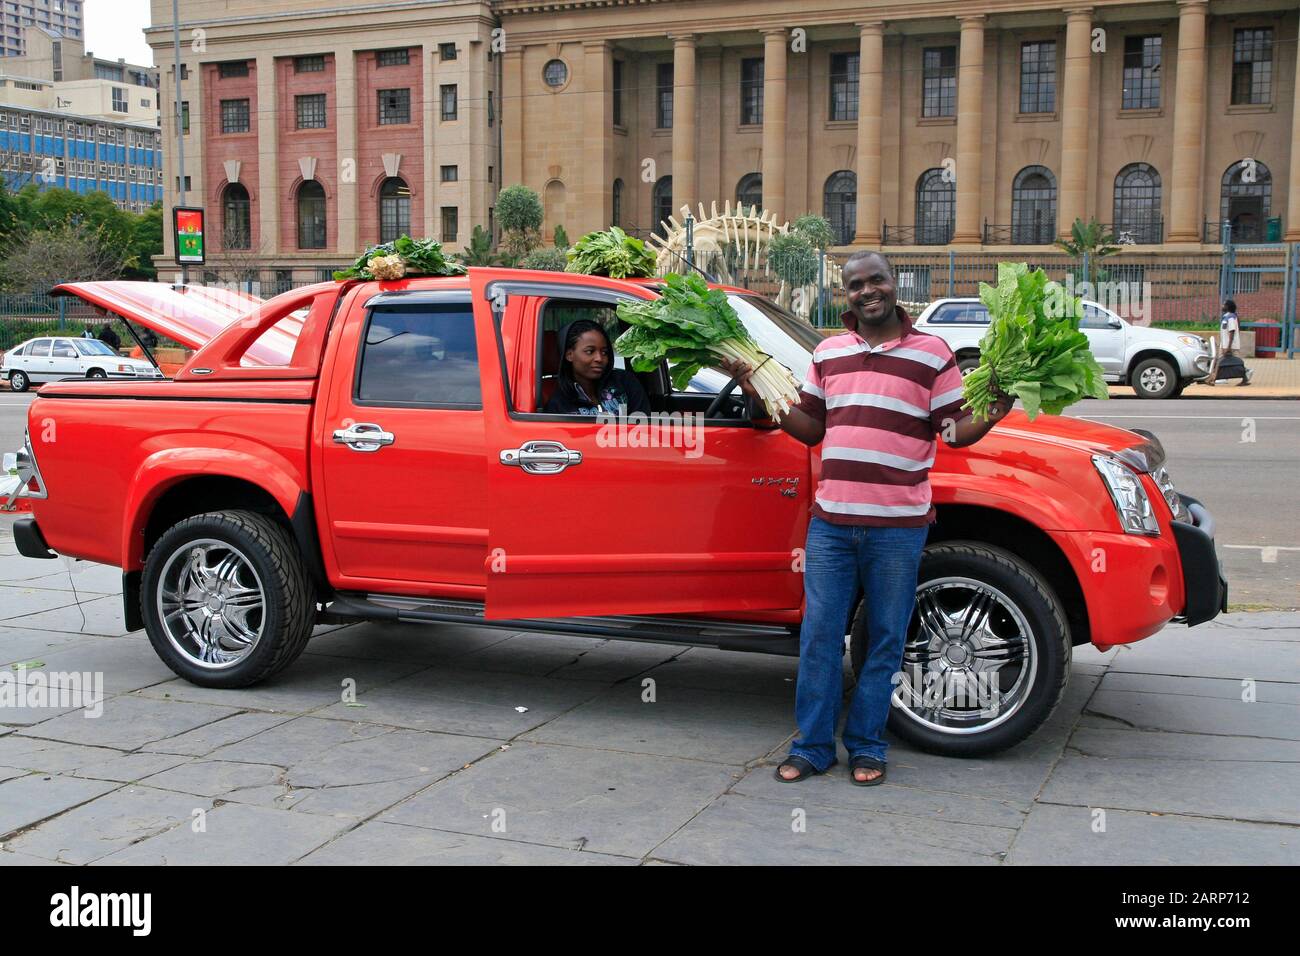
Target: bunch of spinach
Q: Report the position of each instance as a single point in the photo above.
(422, 257)
(1033, 348)
(611, 253)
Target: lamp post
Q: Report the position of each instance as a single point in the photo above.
(180, 131)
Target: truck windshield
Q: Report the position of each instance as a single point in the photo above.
(784, 336)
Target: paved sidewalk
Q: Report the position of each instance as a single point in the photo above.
(1272, 378)
(474, 746)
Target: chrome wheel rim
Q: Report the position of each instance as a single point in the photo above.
(1153, 379)
(211, 603)
(970, 658)
(18, 379)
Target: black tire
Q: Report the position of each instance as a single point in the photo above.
(19, 382)
(288, 606)
(1035, 601)
(1154, 378)
(968, 363)
(96, 373)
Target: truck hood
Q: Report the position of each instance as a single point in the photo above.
(191, 315)
(1066, 432)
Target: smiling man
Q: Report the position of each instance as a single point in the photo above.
(876, 397)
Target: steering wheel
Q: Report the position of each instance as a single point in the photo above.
(723, 397)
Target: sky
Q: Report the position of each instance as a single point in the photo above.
(114, 29)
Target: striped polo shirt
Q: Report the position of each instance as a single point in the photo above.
(882, 408)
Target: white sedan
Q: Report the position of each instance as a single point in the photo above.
(51, 359)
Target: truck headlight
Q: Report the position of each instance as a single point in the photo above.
(1166, 485)
(1194, 341)
(1129, 497)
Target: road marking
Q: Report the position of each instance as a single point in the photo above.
(1267, 553)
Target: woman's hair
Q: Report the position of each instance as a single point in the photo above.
(1229, 305)
(574, 331)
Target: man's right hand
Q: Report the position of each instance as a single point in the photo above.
(741, 370)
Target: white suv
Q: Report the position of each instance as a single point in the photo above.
(1158, 363)
(50, 359)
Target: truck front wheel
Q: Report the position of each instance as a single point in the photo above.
(226, 598)
(987, 655)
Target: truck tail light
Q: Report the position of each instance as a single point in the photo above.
(30, 482)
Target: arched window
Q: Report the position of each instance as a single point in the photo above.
(616, 211)
(236, 218)
(1033, 207)
(936, 208)
(840, 205)
(394, 209)
(1245, 198)
(1137, 205)
(661, 204)
(749, 192)
(311, 215)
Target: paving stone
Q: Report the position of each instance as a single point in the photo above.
(234, 834)
(744, 830)
(617, 803)
(35, 797)
(682, 722)
(95, 615)
(1136, 744)
(1258, 620)
(129, 768)
(1222, 654)
(708, 669)
(108, 824)
(570, 658)
(1195, 715)
(1268, 692)
(50, 756)
(309, 683)
(17, 601)
(203, 740)
(129, 722)
(93, 579)
(22, 859)
(19, 644)
(124, 664)
(406, 642)
(379, 843)
(1056, 835)
(461, 701)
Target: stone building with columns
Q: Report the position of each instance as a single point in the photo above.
(963, 123)
(311, 132)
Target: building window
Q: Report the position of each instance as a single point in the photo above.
(1137, 205)
(491, 108)
(234, 116)
(449, 174)
(1038, 76)
(664, 96)
(1244, 199)
(936, 208)
(844, 86)
(310, 110)
(618, 92)
(446, 51)
(448, 100)
(185, 116)
(616, 204)
(236, 218)
(661, 204)
(1252, 65)
(939, 81)
(311, 215)
(230, 71)
(751, 91)
(1033, 207)
(188, 185)
(555, 74)
(393, 57)
(749, 192)
(394, 107)
(119, 100)
(450, 224)
(1141, 73)
(840, 204)
(309, 64)
(394, 209)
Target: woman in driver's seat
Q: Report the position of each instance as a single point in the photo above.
(588, 383)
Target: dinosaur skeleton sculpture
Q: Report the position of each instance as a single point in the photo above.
(734, 243)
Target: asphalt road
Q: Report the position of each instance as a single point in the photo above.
(1240, 457)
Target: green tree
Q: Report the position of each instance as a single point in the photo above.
(146, 243)
(816, 229)
(1091, 239)
(479, 252)
(552, 260)
(793, 258)
(519, 211)
(561, 238)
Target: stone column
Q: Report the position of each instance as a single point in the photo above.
(268, 163)
(1293, 181)
(871, 58)
(596, 206)
(685, 167)
(970, 130)
(349, 171)
(1189, 124)
(774, 144)
(1072, 192)
(429, 112)
(512, 116)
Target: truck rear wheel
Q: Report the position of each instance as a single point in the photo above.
(226, 599)
(987, 656)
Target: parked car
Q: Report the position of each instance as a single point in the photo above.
(377, 451)
(1158, 363)
(52, 358)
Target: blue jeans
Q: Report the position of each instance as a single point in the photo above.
(885, 562)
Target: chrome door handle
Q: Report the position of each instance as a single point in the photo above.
(363, 436)
(541, 457)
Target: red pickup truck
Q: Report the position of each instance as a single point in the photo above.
(367, 450)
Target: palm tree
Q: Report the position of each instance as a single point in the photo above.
(1092, 242)
(479, 252)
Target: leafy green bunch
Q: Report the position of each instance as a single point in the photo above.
(612, 253)
(693, 326)
(1033, 348)
(421, 257)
